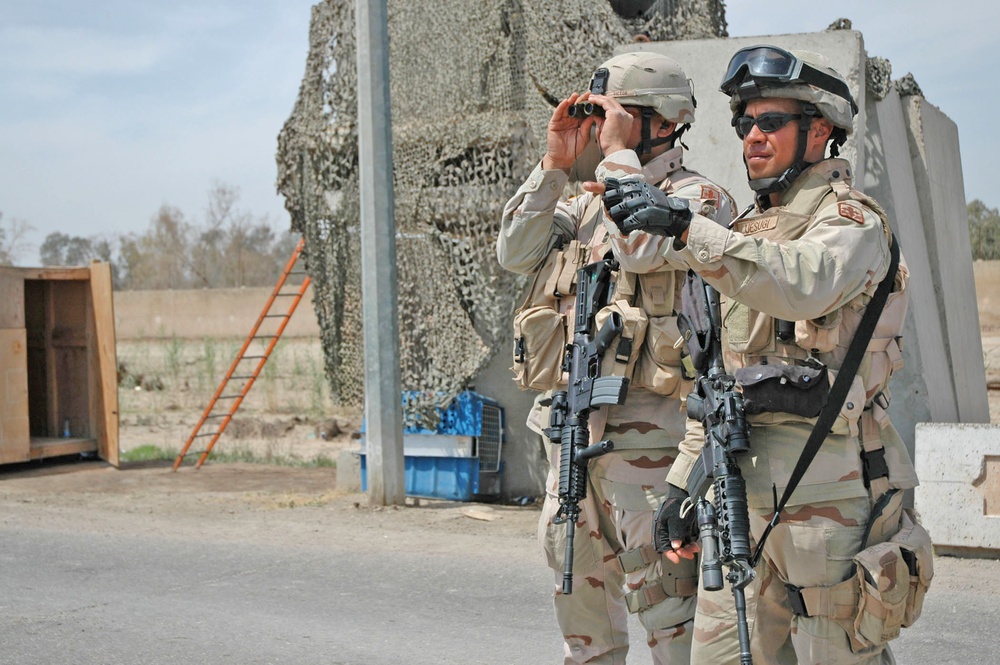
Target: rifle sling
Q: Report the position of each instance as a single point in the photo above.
(838, 393)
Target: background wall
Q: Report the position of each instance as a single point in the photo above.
(201, 313)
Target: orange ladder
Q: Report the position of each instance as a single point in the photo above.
(239, 371)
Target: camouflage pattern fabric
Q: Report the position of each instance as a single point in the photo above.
(815, 260)
(623, 492)
(811, 547)
(626, 485)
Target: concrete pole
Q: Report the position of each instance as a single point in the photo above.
(383, 409)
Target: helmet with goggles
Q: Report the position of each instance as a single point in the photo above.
(768, 71)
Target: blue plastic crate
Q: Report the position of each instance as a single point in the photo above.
(451, 478)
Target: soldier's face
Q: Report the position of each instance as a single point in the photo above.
(767, 155)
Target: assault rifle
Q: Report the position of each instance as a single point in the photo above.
(723, 525)
(570, 408)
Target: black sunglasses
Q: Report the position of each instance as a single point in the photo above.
(768, 122)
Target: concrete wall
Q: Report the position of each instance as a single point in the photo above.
(905, 153)
(199, 313)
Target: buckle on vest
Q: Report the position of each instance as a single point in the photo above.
(873, 465)
(624, 350)
(796, 601)
(519, 350)
(881, 399)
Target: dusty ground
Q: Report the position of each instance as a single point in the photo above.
(149, 498)
(286, 425)
(286, 421)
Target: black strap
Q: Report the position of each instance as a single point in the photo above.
(838, 393)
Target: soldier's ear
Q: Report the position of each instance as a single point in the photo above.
(666, 129)
(817, 138)
(821, 129)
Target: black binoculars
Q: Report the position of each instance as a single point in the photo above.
(583, 110)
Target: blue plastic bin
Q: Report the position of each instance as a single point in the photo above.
(451, 478)
(460, 458)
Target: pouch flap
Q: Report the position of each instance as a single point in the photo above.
(803, 377)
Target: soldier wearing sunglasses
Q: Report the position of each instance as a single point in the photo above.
(796, 273)
(641, 104)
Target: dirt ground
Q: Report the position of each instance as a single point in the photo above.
(287, 422)
(287, 426)
(149, 498)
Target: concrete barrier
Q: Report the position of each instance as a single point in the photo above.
(959, 493)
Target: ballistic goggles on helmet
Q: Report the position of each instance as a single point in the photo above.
(770, 65)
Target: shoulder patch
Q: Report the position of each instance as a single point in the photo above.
(709, 193)
(851, 212)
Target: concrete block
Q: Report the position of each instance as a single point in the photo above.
(348, 471)
(889, 179)
(937, 169)
(524, 463)
(959, 493)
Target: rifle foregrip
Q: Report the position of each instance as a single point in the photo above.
(731, 495)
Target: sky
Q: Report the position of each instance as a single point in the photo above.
(111, 108)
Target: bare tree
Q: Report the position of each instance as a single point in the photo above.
(13, 239)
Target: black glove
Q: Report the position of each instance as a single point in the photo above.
(668, 525)
(638, 206)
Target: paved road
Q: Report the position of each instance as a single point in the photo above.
(140, 591)
(103, 599)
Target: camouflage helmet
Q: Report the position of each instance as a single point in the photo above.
(769, 71)
(641, 78)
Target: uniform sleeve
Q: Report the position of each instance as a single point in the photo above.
(845, 253)
(641, 252)
(534, 221)
(689, 454)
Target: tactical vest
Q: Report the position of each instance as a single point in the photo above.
(647, 350)
(755, 344)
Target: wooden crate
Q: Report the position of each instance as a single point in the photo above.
(58, 363)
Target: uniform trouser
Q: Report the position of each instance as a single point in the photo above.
(624, 490)
(812, 546)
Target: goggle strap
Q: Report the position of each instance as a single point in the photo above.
(826, 82)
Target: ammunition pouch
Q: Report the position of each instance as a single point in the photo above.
(539, 348)
(659, 369)
(622, 355)
(540, 325)
(778, 388)
(886, 592)
(893, 578)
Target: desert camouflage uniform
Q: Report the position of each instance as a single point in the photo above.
(616, 569)
(816, 260)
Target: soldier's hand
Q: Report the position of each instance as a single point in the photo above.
(675, 526)
(634, 205)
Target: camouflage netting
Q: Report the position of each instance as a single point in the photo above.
(469, 117)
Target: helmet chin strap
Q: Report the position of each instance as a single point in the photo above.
(764, 187)
(647, 143)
